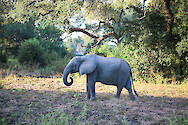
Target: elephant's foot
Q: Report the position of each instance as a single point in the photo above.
(93, 98)
(87, 98)
(115, 99)
(117, 96)
(133, 98)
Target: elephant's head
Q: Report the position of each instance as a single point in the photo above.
(81, 64)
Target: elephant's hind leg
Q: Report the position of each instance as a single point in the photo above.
(131, 94)
(129, 88)
(119, 89)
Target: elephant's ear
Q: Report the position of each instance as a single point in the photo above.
(87, 67)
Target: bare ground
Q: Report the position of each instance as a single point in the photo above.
(24, 100)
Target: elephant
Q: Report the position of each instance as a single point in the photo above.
(107, 70)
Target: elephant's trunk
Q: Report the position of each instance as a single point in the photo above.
(66, 72)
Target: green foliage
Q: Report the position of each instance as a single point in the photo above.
(45, 49)
(53, 11)
(144, 61)
(45, 71)
(75, 44)
(105, 50)
(60, 64)
(137, 57)
(147, 43)
(31, 52)
(13, 63)
(47, 31)
(168, 50)
(14, 34)
(52, 50)
(154, 29)
(18, 31)
(3, 58)
(50, 39)
(1, 83)
(179, 121)
(3, 121)
(51, 118)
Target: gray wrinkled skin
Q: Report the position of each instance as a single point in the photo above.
(107, 70)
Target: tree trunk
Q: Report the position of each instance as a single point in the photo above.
(169, 15)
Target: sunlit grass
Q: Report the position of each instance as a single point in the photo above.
(56, 84)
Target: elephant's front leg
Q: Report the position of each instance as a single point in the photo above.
(91, 86)
(92, 90)
(87, 89)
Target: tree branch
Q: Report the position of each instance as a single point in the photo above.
(99, 39)
(98, 26)
(71, 30)
(142, 16)
(143, 10)
(6, 6)
(139, 10)
(105, 25)
(120, 15)
(110, 27)
(112, 19)
(31, 3)
(45, 13)
(40, 7)
(4, 3)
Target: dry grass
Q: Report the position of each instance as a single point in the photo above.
(27, 100)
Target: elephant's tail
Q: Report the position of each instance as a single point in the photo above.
(132, 83)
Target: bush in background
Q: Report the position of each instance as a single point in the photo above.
(39, 57)
(60, 64)
(39, 49)
(31, 52)
(3, 60)
(147, 64)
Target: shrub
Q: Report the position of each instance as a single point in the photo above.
(60, 64)
(144, 62)
(31, 52)
(105, 50)
(179, 121)
(51, 56)
(3, 58)
(45, 71)
(51, 46)
(1, 84)
(13, 63)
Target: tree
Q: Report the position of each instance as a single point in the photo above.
(14, 34)
(116, 18)
(32, 53)
(159, 28)
(50, 39)
(171, 40)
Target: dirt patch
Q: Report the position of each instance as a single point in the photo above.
(27, 100)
